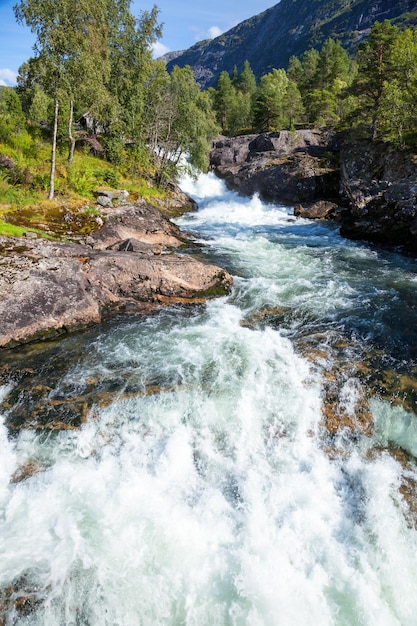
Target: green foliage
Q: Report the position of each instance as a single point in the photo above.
(376, 91)
(109, 176)
(270, 101)
(10, 230)
(375, 69)
(179, 120)
(114, 148)
(293, 105)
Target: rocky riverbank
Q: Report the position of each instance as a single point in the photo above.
(379, 184)
(369, 187)
(290, 167)
(48, 288)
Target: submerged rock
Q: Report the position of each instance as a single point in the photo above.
(21, 598)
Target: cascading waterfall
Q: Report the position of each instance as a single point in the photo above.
(205, 490)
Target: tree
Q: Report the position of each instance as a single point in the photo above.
(247, 88)
(295, 70)
(293, 104)
(69, 35)
(333, 64)
(375, 69)
(130, 41)
(310, 62)
(223, 99)
(247, 80)
(321, 105)
(398, 108)
(235, 77)
(179, 118)
(270, 101)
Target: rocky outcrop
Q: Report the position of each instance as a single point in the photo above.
(371, 188)
(48, 288)
(287, 166)
(380, 185)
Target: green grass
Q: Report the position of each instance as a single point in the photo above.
(10, 230)
(73, 211)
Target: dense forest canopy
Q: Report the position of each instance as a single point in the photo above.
(93, 65)
(374, 93)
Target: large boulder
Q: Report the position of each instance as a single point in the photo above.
(286, 166)
(48, 288)
(379, 183)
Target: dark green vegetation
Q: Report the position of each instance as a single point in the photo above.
(269, 39)
(373, 94)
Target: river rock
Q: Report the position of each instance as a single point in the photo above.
(141, 222)
(286, 166)
(48, 288)
(379, 183)
(320, 210)
(104, 201)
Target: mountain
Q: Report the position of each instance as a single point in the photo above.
(268, 39)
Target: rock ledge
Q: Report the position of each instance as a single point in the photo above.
(49, 288)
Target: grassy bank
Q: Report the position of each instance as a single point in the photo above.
(24, 182)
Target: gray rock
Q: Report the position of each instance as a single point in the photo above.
(122, 195)
(104, 201)
(103, 192)
(295, 167)
(379, 183)
(47, 288)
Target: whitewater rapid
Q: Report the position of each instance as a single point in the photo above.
(206, 496)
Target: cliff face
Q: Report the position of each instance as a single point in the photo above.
(268, 39)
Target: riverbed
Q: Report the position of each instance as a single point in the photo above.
(248, 462)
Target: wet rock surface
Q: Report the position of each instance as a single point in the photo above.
(286, 166)
(379, 183)
(370, 188)
(20, 599)
(49, 288)
(48, 393)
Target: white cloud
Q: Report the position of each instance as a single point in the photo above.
(159, 49)
(7, 77)
(214, 31)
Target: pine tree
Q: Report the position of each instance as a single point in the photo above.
(375, 69)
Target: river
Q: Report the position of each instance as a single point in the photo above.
(250, 462)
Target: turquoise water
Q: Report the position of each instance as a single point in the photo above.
(204, 490)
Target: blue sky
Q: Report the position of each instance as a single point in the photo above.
(185, 22)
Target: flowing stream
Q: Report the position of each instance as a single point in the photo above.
(249, 462)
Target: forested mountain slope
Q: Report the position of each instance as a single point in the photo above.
(268, 39)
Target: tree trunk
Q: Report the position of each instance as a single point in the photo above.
(70, 135)
(53, 154)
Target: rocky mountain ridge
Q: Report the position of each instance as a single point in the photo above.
(270, 38)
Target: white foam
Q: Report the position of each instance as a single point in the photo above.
(212, 501)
